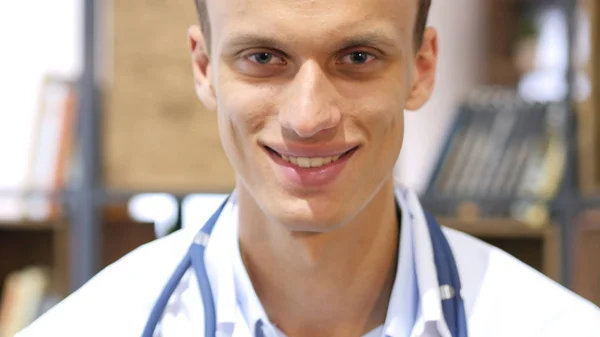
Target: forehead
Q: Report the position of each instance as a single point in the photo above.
(311, 20)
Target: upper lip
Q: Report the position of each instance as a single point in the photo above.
(323, 150)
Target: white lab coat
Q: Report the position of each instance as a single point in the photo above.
(503, 296)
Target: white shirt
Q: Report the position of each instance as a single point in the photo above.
(503, 296)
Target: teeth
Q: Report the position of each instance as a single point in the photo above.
(304, 162)
(307, 162)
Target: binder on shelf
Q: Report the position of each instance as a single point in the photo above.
(503, 154)
(588, 108)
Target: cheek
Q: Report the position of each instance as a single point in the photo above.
(381, 113)
(244, 110)
(241, 113)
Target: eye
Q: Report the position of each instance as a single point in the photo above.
(265, 58)
(359, 57)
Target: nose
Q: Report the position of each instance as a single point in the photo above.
(310, 105)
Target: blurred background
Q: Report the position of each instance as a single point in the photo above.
(104, 146)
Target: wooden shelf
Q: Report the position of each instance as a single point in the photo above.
(114, 213)
(27, 242)
(30, 225)
(495, 228)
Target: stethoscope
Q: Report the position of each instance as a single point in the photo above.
(447, 272)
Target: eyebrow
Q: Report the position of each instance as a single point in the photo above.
(369, 38)
(373, 39)
(245, 40)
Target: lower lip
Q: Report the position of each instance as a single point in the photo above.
(311, 176)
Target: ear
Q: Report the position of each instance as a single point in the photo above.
(424, 72)
(201, 68)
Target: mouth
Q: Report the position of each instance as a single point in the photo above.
(312, 162)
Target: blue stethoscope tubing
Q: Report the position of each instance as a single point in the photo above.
(195, 259)
(447, 272)
(453, 307)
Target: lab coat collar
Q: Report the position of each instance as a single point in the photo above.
(220, 271)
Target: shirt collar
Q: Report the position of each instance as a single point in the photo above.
(247, 299)
(403, 304)
(415, 296)
(424, 269)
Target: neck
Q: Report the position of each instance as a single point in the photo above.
(309, 283)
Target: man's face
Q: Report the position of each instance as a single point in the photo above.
(310, 97)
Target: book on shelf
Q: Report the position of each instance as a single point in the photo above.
(53, 148)
(506, 149)
(26, 295)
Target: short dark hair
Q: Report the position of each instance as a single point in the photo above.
(421, 23)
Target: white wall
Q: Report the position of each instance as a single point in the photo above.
(37, 37)
(459, 25)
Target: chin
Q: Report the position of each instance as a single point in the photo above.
(306, 219)
(307, 226)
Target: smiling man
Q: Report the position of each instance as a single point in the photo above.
(317, 239)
